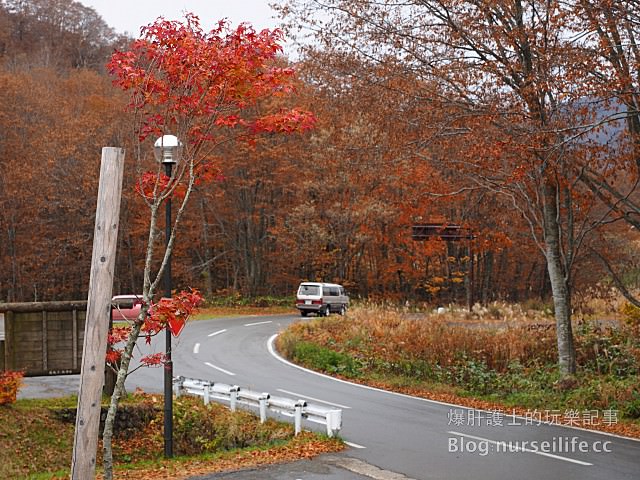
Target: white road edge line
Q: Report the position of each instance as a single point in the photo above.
(220, 369)
(257, 323)
(307, 397)
(275, 354)
(509, 445)
(196, 348)
(216, 333)
(354, 445)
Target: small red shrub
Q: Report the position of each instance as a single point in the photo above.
(9, 384)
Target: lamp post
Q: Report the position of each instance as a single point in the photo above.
(167, 150)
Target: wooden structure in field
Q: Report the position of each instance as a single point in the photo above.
(44, 338)
(448, 232)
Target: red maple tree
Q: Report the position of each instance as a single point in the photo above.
(209, 89)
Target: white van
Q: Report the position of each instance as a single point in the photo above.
(321, 298)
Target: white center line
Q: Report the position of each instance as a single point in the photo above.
(513, 446)
(257, 323)
(219, 369)
(354, 445)
(216, 333)
(196, 348)
(307, 397)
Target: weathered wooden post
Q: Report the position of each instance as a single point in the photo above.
(85, 443)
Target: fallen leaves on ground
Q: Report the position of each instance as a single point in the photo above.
(305, 445)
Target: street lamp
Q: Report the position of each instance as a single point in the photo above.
(167, 150)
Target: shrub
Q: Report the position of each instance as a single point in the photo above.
(608, 350)
(475, 376)
(9, 385)
(631, 314)
(632, 407)
(200, 428)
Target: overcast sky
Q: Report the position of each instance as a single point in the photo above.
(130, 15)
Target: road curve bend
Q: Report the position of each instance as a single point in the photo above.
(417, 438)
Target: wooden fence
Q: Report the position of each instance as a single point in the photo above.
(44, 338)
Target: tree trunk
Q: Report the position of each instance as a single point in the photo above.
(13, 289)
(118, 391)
(559, 287)
(500, 275)
(514, 292)
(486, 277)
(469, 280)
(529, 282)
(132, 278)
(206, 250)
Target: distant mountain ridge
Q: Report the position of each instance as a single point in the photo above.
(55, 33)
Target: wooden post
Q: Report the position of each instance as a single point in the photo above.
(9, 359)
(85, 442)
(45, 350)
(468, 278)
(74, 338)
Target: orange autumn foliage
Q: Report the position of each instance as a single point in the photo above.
(9, 385)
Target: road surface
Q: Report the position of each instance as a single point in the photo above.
(394, 435)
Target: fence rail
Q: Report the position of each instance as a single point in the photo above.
(262, 401)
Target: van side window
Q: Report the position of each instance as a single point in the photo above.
(333, 292)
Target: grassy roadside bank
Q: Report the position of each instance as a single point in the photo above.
(505, 362)
(207, 313)
(38, 440)
(236, 305)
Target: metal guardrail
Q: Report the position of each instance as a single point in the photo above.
(262, 401)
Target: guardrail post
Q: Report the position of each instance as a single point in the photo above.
(300, 404)
(177, 385)
(233, 398)
(206, 388)
(263, 406)
(334, 422)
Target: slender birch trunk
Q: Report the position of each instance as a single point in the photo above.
(118, 391)
(559, 287)
(107, 435)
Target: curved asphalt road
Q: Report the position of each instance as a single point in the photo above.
(416, 438)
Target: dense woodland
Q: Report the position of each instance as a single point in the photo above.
(394, 145)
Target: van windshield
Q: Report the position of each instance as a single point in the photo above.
(309, 290)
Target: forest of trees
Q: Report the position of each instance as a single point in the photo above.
(529, 140)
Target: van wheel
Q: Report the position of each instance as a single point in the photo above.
(327, 311)
(343, 310)
(303, 313)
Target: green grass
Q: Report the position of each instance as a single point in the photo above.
(326, 360)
